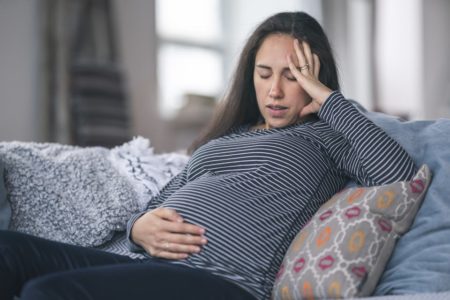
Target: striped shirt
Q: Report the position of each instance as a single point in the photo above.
(253, 190)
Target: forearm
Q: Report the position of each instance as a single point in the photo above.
(373, 157)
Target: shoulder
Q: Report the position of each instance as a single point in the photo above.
(310, 127)
(316, 131)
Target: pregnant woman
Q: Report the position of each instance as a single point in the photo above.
(283, 141)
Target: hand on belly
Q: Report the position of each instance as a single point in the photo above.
(163, 233)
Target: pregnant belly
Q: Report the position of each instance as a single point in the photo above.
(239, 222)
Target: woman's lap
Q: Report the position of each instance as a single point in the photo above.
(24, 257)
(133, 281)
(54, 270)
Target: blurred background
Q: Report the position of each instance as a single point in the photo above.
(98, 72)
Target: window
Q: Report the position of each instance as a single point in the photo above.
(190, 55)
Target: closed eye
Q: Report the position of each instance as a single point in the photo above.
(288, 74)
(290, 77)
(264, 71)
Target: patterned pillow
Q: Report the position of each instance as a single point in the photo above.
(343, 249)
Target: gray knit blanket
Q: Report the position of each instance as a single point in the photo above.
(82, 196)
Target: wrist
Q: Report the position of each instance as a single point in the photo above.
(135, 232)
(324, 95)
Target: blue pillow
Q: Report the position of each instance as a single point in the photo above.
(421, 259)
(5, 208)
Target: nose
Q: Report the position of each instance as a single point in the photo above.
(276, 91)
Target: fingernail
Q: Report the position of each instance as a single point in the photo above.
(204, 241)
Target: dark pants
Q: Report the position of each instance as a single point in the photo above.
(35, 269)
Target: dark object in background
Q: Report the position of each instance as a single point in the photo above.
(5, 208)
(99, 112)
(98, 104)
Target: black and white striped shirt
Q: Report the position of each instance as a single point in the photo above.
(254, 190)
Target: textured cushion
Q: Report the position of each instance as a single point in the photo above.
(343, 250)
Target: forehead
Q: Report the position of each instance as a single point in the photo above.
(275, 48)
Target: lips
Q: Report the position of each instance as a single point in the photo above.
(276, 111)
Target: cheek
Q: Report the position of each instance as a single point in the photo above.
(260, 89)
(299, 96)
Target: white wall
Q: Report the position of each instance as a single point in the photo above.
(436, 59)
(410, 75)
(400, 56)
(21, 115)
(360, 50)
(348, 26)
(413, 54)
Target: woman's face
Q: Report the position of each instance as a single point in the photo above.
(280, 97)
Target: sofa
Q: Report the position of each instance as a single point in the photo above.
(420, 262)
(419, 265)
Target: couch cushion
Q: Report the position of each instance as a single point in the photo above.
(344, 248)
(421, 260)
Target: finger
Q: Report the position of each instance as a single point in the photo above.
(299, 53)
(294, 70)
(173, 222)
(316, 66)
(170, 247)
(167, 254)
(308, 54)
(183, 239)
(179, 248)
(168, 214)
(176, 248)
(184, 228)
(188, 239)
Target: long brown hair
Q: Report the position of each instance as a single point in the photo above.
(239, 105)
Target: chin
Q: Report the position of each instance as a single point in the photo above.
(280, 125)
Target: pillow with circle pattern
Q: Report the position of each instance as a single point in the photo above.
(342, 251)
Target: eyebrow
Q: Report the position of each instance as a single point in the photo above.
(263, 67)
(269, 68)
